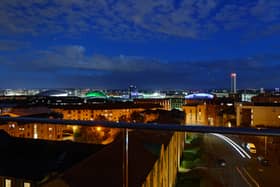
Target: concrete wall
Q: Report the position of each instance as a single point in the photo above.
(166, 167)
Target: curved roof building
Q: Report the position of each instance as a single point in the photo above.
(96, 94)
(200, 96)
(53, 93)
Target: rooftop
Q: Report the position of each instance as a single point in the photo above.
(21, 157)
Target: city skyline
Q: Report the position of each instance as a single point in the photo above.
(151, 44)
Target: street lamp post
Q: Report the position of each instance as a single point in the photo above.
(125, 157)
(265, 146)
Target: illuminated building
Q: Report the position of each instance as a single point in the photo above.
(132, 92)
(19, 92)
(36, 131)
(220, 93)
(96, 94)
(200, 96)
(165, 103)
(247, 97)
(154, 95)
(209, 113)
(196, 114)
(53, 93)
(257, 115)
(110, 112)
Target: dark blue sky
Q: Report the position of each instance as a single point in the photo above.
(149, 43)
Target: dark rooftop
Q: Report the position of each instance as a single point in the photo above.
(36, 159)
(105, 167)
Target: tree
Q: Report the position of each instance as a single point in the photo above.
(137, 117)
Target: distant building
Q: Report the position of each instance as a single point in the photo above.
(26, 111)
(33, 130)
(165, 103)
(195, 114)
(200, 96)
(221, 94)
(266, 99)
(53, 93)
(247, 97)
(257, 115)
(177, 103)
(151, 95)
(96, 94)
(133, 93)
(107, 111)
(217, 112)
(36, 131)
(19, 92)
(201, 114)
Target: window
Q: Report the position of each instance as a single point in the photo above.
(26, 184)
(8, 183)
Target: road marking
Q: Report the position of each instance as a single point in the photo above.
(243, 177)
(250, 176)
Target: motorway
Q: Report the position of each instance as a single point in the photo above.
(242, 169)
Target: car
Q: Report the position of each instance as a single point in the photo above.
(263, 161)
(221, 162)
(251, 147)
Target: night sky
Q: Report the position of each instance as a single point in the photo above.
(149, 43)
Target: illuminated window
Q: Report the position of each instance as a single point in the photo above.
(35, 135)
(26, 184)
(8, 183)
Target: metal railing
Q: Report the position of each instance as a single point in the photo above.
(151, 126)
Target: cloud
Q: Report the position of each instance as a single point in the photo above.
(72, 66)
(74, 56)
(12, 45)
(266, 11)
(130, 19)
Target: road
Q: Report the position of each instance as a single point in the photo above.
(241, 169)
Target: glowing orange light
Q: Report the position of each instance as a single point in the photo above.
(98, 128)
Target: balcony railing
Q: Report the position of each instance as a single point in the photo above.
(106, 153)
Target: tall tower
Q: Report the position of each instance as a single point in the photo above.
(132, 91)
(233, 82)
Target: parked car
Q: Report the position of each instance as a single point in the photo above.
(263, 161)
(221, 162)
(251, 147)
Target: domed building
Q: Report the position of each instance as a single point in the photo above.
(199, 96)
(96, 94)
